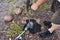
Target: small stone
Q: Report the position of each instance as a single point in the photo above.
(23, 20)
(9, 38)
(8, 18)
(17, 11)
(30, 36)
(37, 20)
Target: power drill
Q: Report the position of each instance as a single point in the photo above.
(32, 26)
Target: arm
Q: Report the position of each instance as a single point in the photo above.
(37, 4)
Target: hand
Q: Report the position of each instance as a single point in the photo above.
(34, 6)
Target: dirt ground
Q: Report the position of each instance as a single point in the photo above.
(5, 7)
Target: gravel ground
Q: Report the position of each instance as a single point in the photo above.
(5, 7)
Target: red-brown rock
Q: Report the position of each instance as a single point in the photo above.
(8, 18)
(17, 11)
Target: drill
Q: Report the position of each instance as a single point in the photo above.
(32, 26)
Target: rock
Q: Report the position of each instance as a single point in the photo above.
(8, 18)
(18, 11)
(37, 20)
(23, 20)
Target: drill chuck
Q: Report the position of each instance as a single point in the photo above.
(29, 25)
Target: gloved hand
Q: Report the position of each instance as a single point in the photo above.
(36, 27)
(47, 23)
